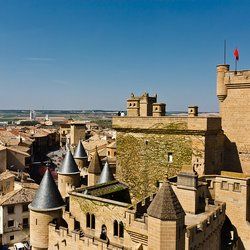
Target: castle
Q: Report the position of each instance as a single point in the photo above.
(181, 181)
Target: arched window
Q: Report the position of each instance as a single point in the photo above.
(121, 230)
(87, 220)
(93, 221)
(103, 235)
(115, 228)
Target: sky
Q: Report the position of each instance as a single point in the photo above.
(76, 54)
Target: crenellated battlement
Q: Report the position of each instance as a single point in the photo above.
(63, 238)
(201, 233)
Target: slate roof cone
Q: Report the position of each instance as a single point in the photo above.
(95, 166)
(106, 175)
(69, 165)
(165, 206)
(47, 196)
(80, 152)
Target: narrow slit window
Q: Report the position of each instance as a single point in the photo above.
(115, 228)
(170, 157)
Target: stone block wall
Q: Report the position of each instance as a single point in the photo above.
(206, 235)
(235, 192)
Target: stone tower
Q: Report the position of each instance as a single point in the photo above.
(77, 132)
(221, 84)
(159, 109)
(80, 156)
(95, 169)
(166, 217)
(68, 175)
(106, 175)
(233, 92)
(46, 206)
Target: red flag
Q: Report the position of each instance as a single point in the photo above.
(236, 54)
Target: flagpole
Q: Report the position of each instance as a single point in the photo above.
(225, 51)
(235, 66)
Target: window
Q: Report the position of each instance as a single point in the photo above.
(25, 222)
(11, 209)
(25, 208)
(118, 229)
(93, 221)
(108, 153)
(114, 153)
(224, 185)
(209, 183)
(236, 186)
(103, 235)
(134, 104)
(121, 230)
(88, 220)
(115, 228)
(170, 157)
(12, 237)
(11, 223)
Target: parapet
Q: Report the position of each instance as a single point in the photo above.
(230, 79)
(163, 124)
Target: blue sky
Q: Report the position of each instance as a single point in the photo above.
(61, 54)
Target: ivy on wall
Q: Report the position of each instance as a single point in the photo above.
(142, 159)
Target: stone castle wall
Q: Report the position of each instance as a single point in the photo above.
(235, 192)
(206, 235)
(105, 214)
(63, 239)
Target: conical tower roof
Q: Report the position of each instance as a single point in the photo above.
(106, 175)
(95, 166)
(80, 152)
(165, 205)
(47, 196)
(69, 165)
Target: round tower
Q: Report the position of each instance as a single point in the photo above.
(166, 221)
(68, 175)
(221, 86)
(45, 208)
(81, 157)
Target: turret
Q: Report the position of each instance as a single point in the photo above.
(45, 208)
(221, 86)
(106, 175)
(146, 104)
(68, 175)
(159, 109)
(133, 106)
(166, 217)
(193, 111)
(95, 169)
(80, 156)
